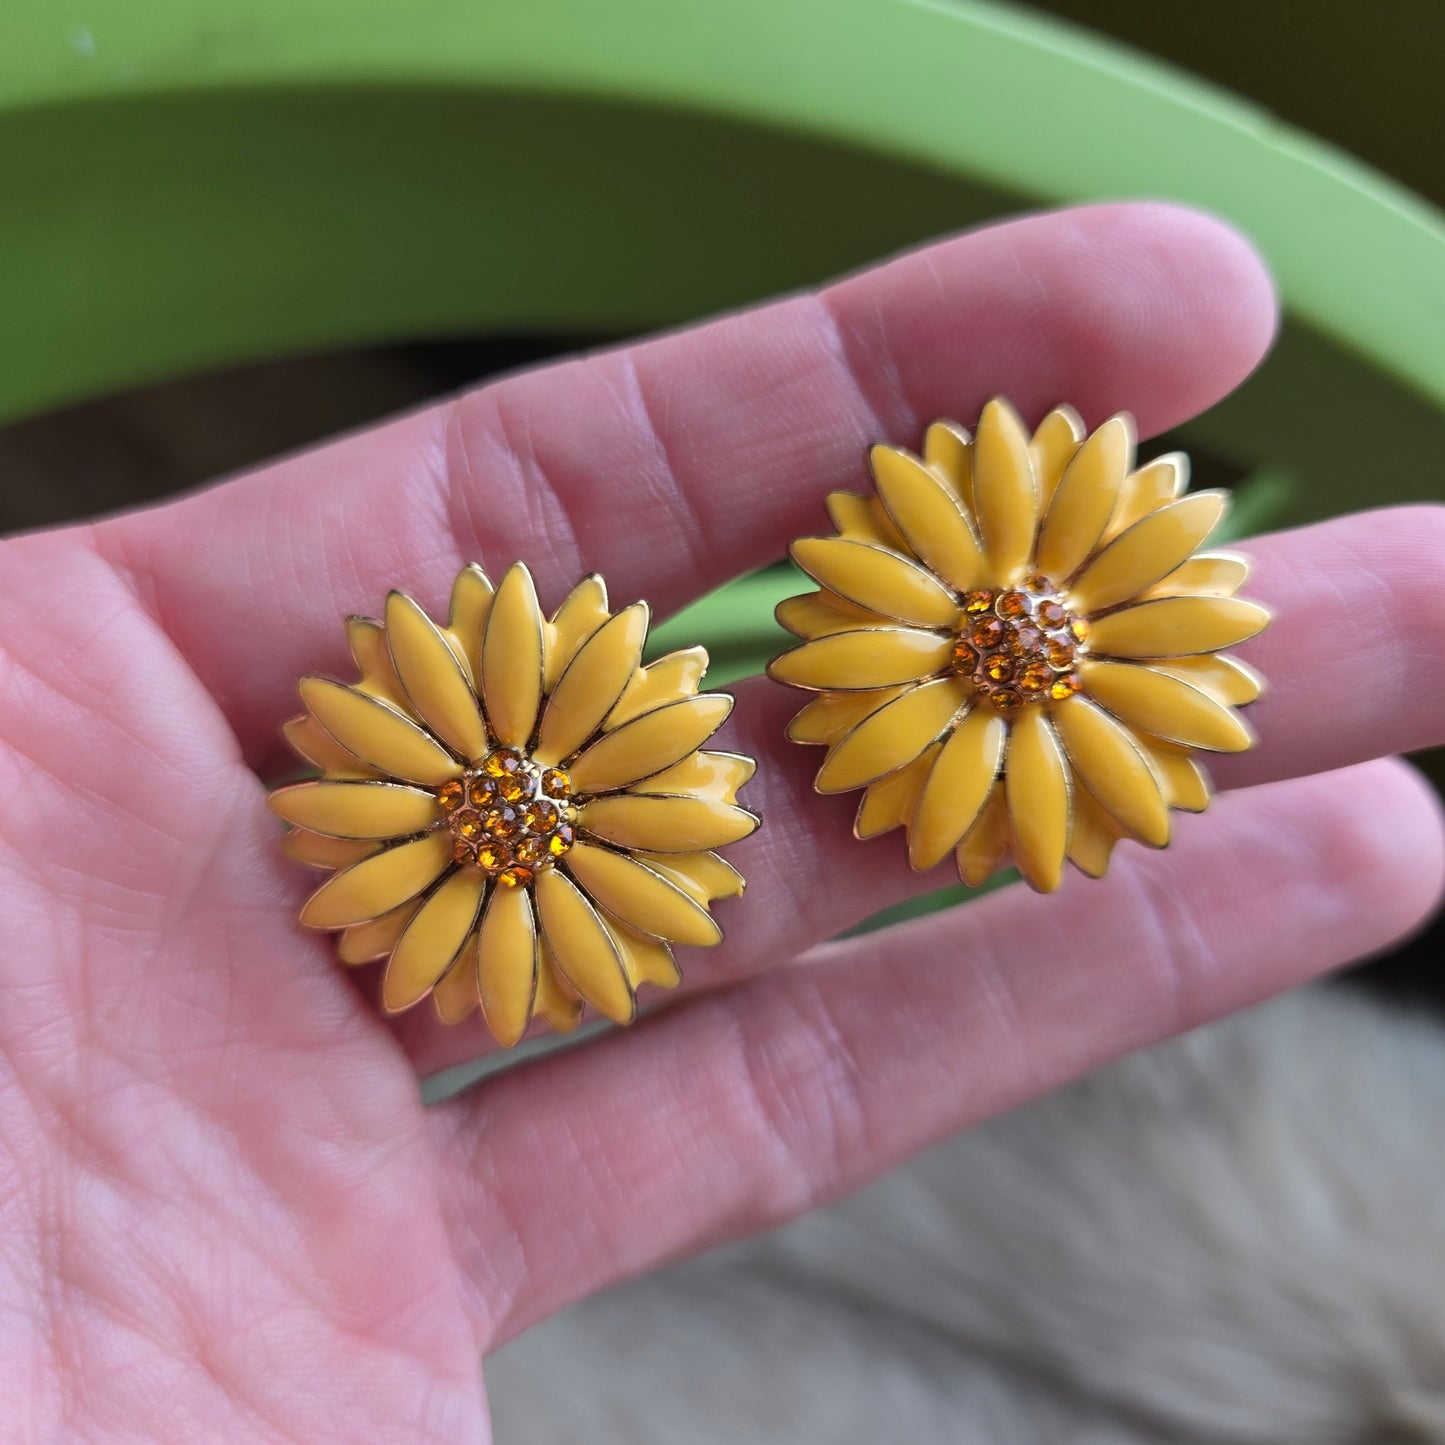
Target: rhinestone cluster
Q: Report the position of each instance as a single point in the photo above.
(509, 817)
(1020, 644)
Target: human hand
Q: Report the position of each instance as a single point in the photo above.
(226, 1214)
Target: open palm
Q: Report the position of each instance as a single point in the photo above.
(224, 1213)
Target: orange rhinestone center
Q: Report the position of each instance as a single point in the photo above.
(510, 817)
(1020, 644)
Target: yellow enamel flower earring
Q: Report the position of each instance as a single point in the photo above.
(1016, 646)
(519, 816)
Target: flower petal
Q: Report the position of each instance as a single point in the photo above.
(665, 825)
(582, 612)
(704, 775)
(820, 614)
(985, 844)
(1149, 488)
(1185, 783)
(646, 960)
(1165, 706)
(890, 802)
(557, 1005)
(512, 658)
(508, 966)
(831, 714)
(312, 742)
(467, 616)
(367, 639)
(1114, 768)
(1227, 678)
(378, 734)
(1057, 437)
(1085, 500)
(432, 940)
(1177, 627)
(703, 875)
(878, 579)
(1092, 835)
(872, 657)
(1036, 785)
(437, 685)
(892, 736)
(641, 897)
(1209, 574)
(649, 744)
(1152, 548)
(379, 883)
(957, 788)
(948, 450)
(582, 948)
(859, 518)
(366, 942)
(356, 810)
(670, 679)
(930, 517)
(316, 851)
(455, 998)
(1005, 495)
(593, 682)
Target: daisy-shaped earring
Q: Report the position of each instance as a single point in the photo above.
(1016, 645)
(519, 815)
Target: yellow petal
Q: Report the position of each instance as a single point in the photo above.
(1058, 436)
(948, 450)
(581, 946)
(1036, 785)
(957, 788)
(1166, 706)
(367, 638)
(930, 517)
(593, 682)
(820, 614)
(317, 851)
(1152, 548)
(641, 897)
(670, 679)
(1177, 627)
(437, 685)
(1005, 496)
(1092, 835)
(1230, 680)
(882, 581)
(467, 615)
(431, 940)
(873, 657)
(892, 736)
(703, 875)
(308, 738)
(512, 659)
(861, 519)
(649, 744)
(1185, 784)
(1161, 481)
(557, 1004)
(379, 883)
(378, 734)
(507, 950)
(1210, 574)
(985, 844)
(1114, 768)
(455, 997)
(366, 942)
(891, 801)
(356, 810)
(665, 825)
(704, 775)
(831, 714)
(646, 960)
(1085, 500)
(582, 612)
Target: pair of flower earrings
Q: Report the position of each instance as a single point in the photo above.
(1015, 651)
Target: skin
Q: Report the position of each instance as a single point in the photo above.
(224, 1213)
